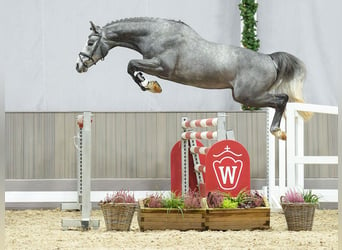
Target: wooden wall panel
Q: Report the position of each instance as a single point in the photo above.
(15, 145)
(137, 145)
(59, 154)
(321, 134)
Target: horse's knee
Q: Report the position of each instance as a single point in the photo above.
(282, 100)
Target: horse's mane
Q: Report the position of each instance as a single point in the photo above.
(142, 19)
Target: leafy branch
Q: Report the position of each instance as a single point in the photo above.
(248, 9)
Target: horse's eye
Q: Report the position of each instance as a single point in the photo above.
(90, 43)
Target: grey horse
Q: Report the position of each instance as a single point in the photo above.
(172, 50)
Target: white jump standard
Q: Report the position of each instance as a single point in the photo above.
(84, 179)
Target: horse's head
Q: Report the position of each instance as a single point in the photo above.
(94, 50)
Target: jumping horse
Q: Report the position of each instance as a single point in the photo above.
(172, 50)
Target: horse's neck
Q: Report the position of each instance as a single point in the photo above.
(128, 34)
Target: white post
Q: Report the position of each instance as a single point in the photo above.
(270, 151)
(86, 170)
(299, 168)
(185, 162)
(282, 159)
(221, 127)
(78, 147)
(290, 147)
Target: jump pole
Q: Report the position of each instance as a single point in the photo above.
(84, 179)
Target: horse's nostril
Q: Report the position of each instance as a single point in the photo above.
(78, 69)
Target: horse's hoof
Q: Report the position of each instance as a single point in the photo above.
(154, 87)
(283, 136)
(279, 134)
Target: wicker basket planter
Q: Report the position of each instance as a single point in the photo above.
(118, 216)
(164, 218)
(238, 219)
(299, 216)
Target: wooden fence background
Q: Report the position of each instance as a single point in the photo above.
(137, 145)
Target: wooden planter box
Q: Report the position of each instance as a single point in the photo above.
(238, 219)
(163, 218)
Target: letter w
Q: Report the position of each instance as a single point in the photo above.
(228, 172)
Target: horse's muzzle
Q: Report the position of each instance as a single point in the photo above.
(80, 68)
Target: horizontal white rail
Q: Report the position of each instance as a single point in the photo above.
(64, 196)
(316, 159)
(324, 109)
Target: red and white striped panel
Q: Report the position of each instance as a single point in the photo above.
(209, 135)
(199, 150)
(202, 123)
(200, 168)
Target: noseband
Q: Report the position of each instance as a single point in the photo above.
(90, 57)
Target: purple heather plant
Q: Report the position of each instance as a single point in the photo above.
(292, 196)
(192, 200)
(245, 199)
(121, 196)
(251, 200)
(215, 199)
(188, 201)
(154, 201)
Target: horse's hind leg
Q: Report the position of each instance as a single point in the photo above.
(149, 66)
(281, 100)
(276, 101)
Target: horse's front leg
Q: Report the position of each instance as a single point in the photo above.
(149, 66)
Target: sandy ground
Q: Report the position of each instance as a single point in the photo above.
(41, 229)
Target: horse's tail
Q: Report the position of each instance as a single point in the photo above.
(291, 74)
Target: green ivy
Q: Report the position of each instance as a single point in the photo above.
(248, 9)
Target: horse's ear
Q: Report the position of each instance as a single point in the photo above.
(93, 27)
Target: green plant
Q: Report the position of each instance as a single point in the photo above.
(121, 196)
(229, 203)
(309, 197)
(173, 201)
(157, 200)
(190, 200)
(248, 9)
